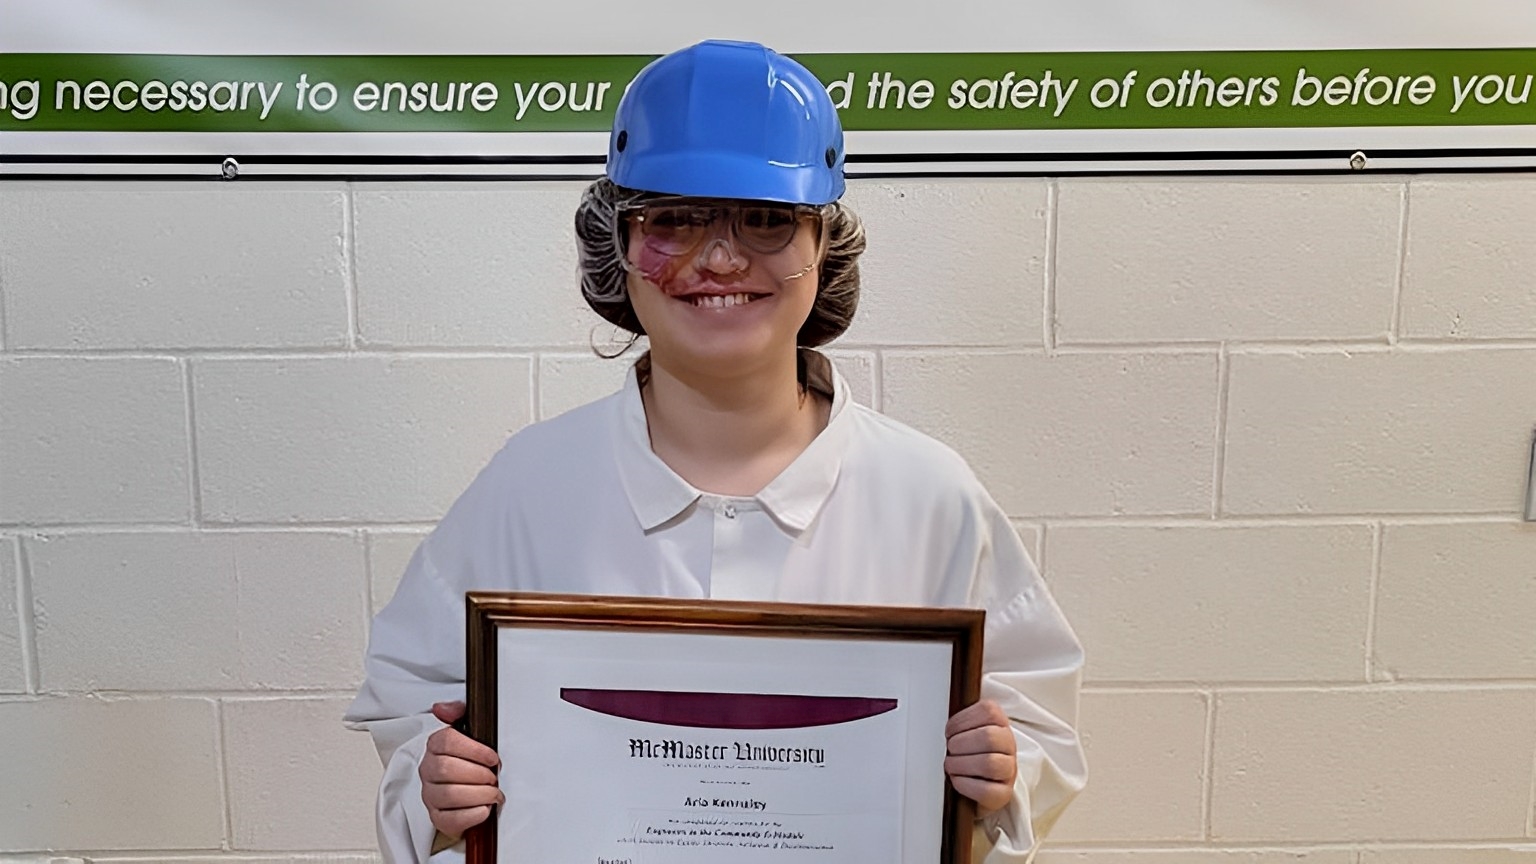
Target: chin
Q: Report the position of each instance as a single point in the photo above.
(720, 354)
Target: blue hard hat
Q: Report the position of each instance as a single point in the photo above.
(728, 120)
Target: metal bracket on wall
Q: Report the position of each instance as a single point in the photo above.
(1530, 484)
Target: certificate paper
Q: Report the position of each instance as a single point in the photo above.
(672, 746)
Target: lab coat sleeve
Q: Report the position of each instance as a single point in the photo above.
(415, 658)
(1032, 668)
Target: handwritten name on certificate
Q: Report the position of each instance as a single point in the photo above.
(717, 748)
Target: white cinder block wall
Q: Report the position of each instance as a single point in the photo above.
(1266, 436)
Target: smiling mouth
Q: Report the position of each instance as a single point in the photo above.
(720, 301)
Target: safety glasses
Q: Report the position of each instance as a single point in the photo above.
(677, 227)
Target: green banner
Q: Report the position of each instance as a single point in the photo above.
(929, 91)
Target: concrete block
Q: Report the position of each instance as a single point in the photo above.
(366, 438)
(1033, 536)
(1467, 270)
(288, 858)
(93, 440)
(1207, 261)
(298, 779)
(1196, 856)
(1482, 855)
(1408, 765)
(858, 369)
(13, 674)
(1146, 757)
(1457, 601)
(1069, 435)
(950, 262)
(568, 381)
(482, 264)
(388, 554)
(159, 265)
(1387, 433)
(133, 774)
(199, 611)
(1240, 603)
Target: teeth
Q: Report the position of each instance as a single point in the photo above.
(721, 301)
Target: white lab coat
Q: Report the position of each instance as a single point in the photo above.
(871, 512)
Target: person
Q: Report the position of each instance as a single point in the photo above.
(731, 464)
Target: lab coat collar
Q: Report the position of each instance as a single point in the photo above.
(658, 495)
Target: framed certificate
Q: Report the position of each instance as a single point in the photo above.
(654, 731)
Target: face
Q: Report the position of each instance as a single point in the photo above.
(721, 287)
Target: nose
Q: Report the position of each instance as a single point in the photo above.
(720, 254)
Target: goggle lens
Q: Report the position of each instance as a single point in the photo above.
(677, 229)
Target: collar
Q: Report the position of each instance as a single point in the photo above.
(658, 495)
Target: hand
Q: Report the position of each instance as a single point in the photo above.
(983, 758)
(458, 775)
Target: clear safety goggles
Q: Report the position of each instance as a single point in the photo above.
(678, 227)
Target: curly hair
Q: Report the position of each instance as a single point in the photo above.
(603, 277)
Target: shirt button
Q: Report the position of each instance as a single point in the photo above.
(730, 511)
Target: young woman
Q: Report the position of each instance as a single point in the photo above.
(732, 463)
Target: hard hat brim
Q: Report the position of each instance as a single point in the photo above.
(725, 175)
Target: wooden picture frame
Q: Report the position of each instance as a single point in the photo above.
(547, 633)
